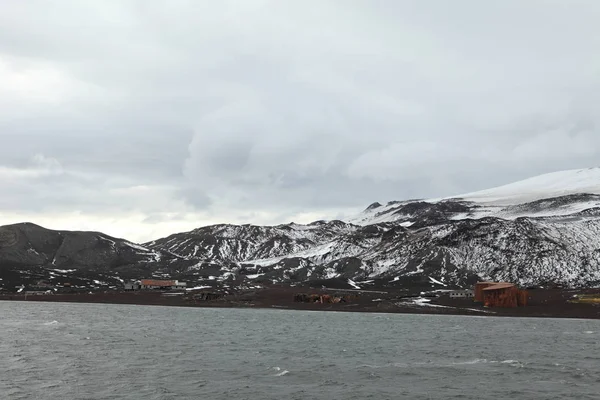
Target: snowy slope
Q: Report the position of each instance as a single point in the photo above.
(545, 186)
(527, 251)
(555, 194)
(543, 229)
(237, 243)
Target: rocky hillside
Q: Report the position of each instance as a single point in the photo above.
(541, 231)
(30, 253)
(30, 244)
(432, 240)
(544, 230)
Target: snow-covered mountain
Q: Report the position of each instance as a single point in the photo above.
(543, 230)
(553, 194)
(555, 184)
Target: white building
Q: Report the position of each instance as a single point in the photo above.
(179, 285)
(461, 294)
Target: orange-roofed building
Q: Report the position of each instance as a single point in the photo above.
(157, 284)
(502, 294)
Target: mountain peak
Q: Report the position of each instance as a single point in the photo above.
(374, 206)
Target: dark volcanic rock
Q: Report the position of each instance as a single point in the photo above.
(31, 245)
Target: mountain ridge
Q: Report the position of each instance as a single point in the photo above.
(551, 238)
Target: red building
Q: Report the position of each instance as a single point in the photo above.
(500, 294)
(478, 291)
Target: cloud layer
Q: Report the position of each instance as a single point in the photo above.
(141, 118)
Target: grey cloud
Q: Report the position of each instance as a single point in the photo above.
(242, 109)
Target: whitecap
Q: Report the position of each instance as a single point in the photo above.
(476, 361)
(51, 323)
(372, 366)
(281, 373)
(512, 363)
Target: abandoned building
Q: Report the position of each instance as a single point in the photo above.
(206, 296)
(129, 286)
(478, 290)
(154, 284)
(323, 298)
(500, 294)
(461, 294)
(38, 292)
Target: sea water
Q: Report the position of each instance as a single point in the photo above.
(91, 351)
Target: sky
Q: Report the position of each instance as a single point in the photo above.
(145, 118)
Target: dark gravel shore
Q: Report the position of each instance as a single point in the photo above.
(550, 303)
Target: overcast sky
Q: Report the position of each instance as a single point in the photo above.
(145, 118)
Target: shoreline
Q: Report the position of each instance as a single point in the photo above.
(550, 306)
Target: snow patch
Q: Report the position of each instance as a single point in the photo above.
(136, 246)
(353, 284)
(422, 302)
(545, 186)
(198, 288)
(437, 282)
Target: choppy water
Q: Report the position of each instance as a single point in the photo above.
(80, 351)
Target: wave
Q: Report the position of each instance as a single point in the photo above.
(51, 323)
(470, 362)
(281, 373)
(515, 363)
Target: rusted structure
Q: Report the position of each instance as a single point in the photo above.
(504, 294)
(207, 296)
(348, 296)
(500, 295)
(522, 298)
(323, 298)
(161, 284)
(479, 286)
(301, 298)
(156, 284)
